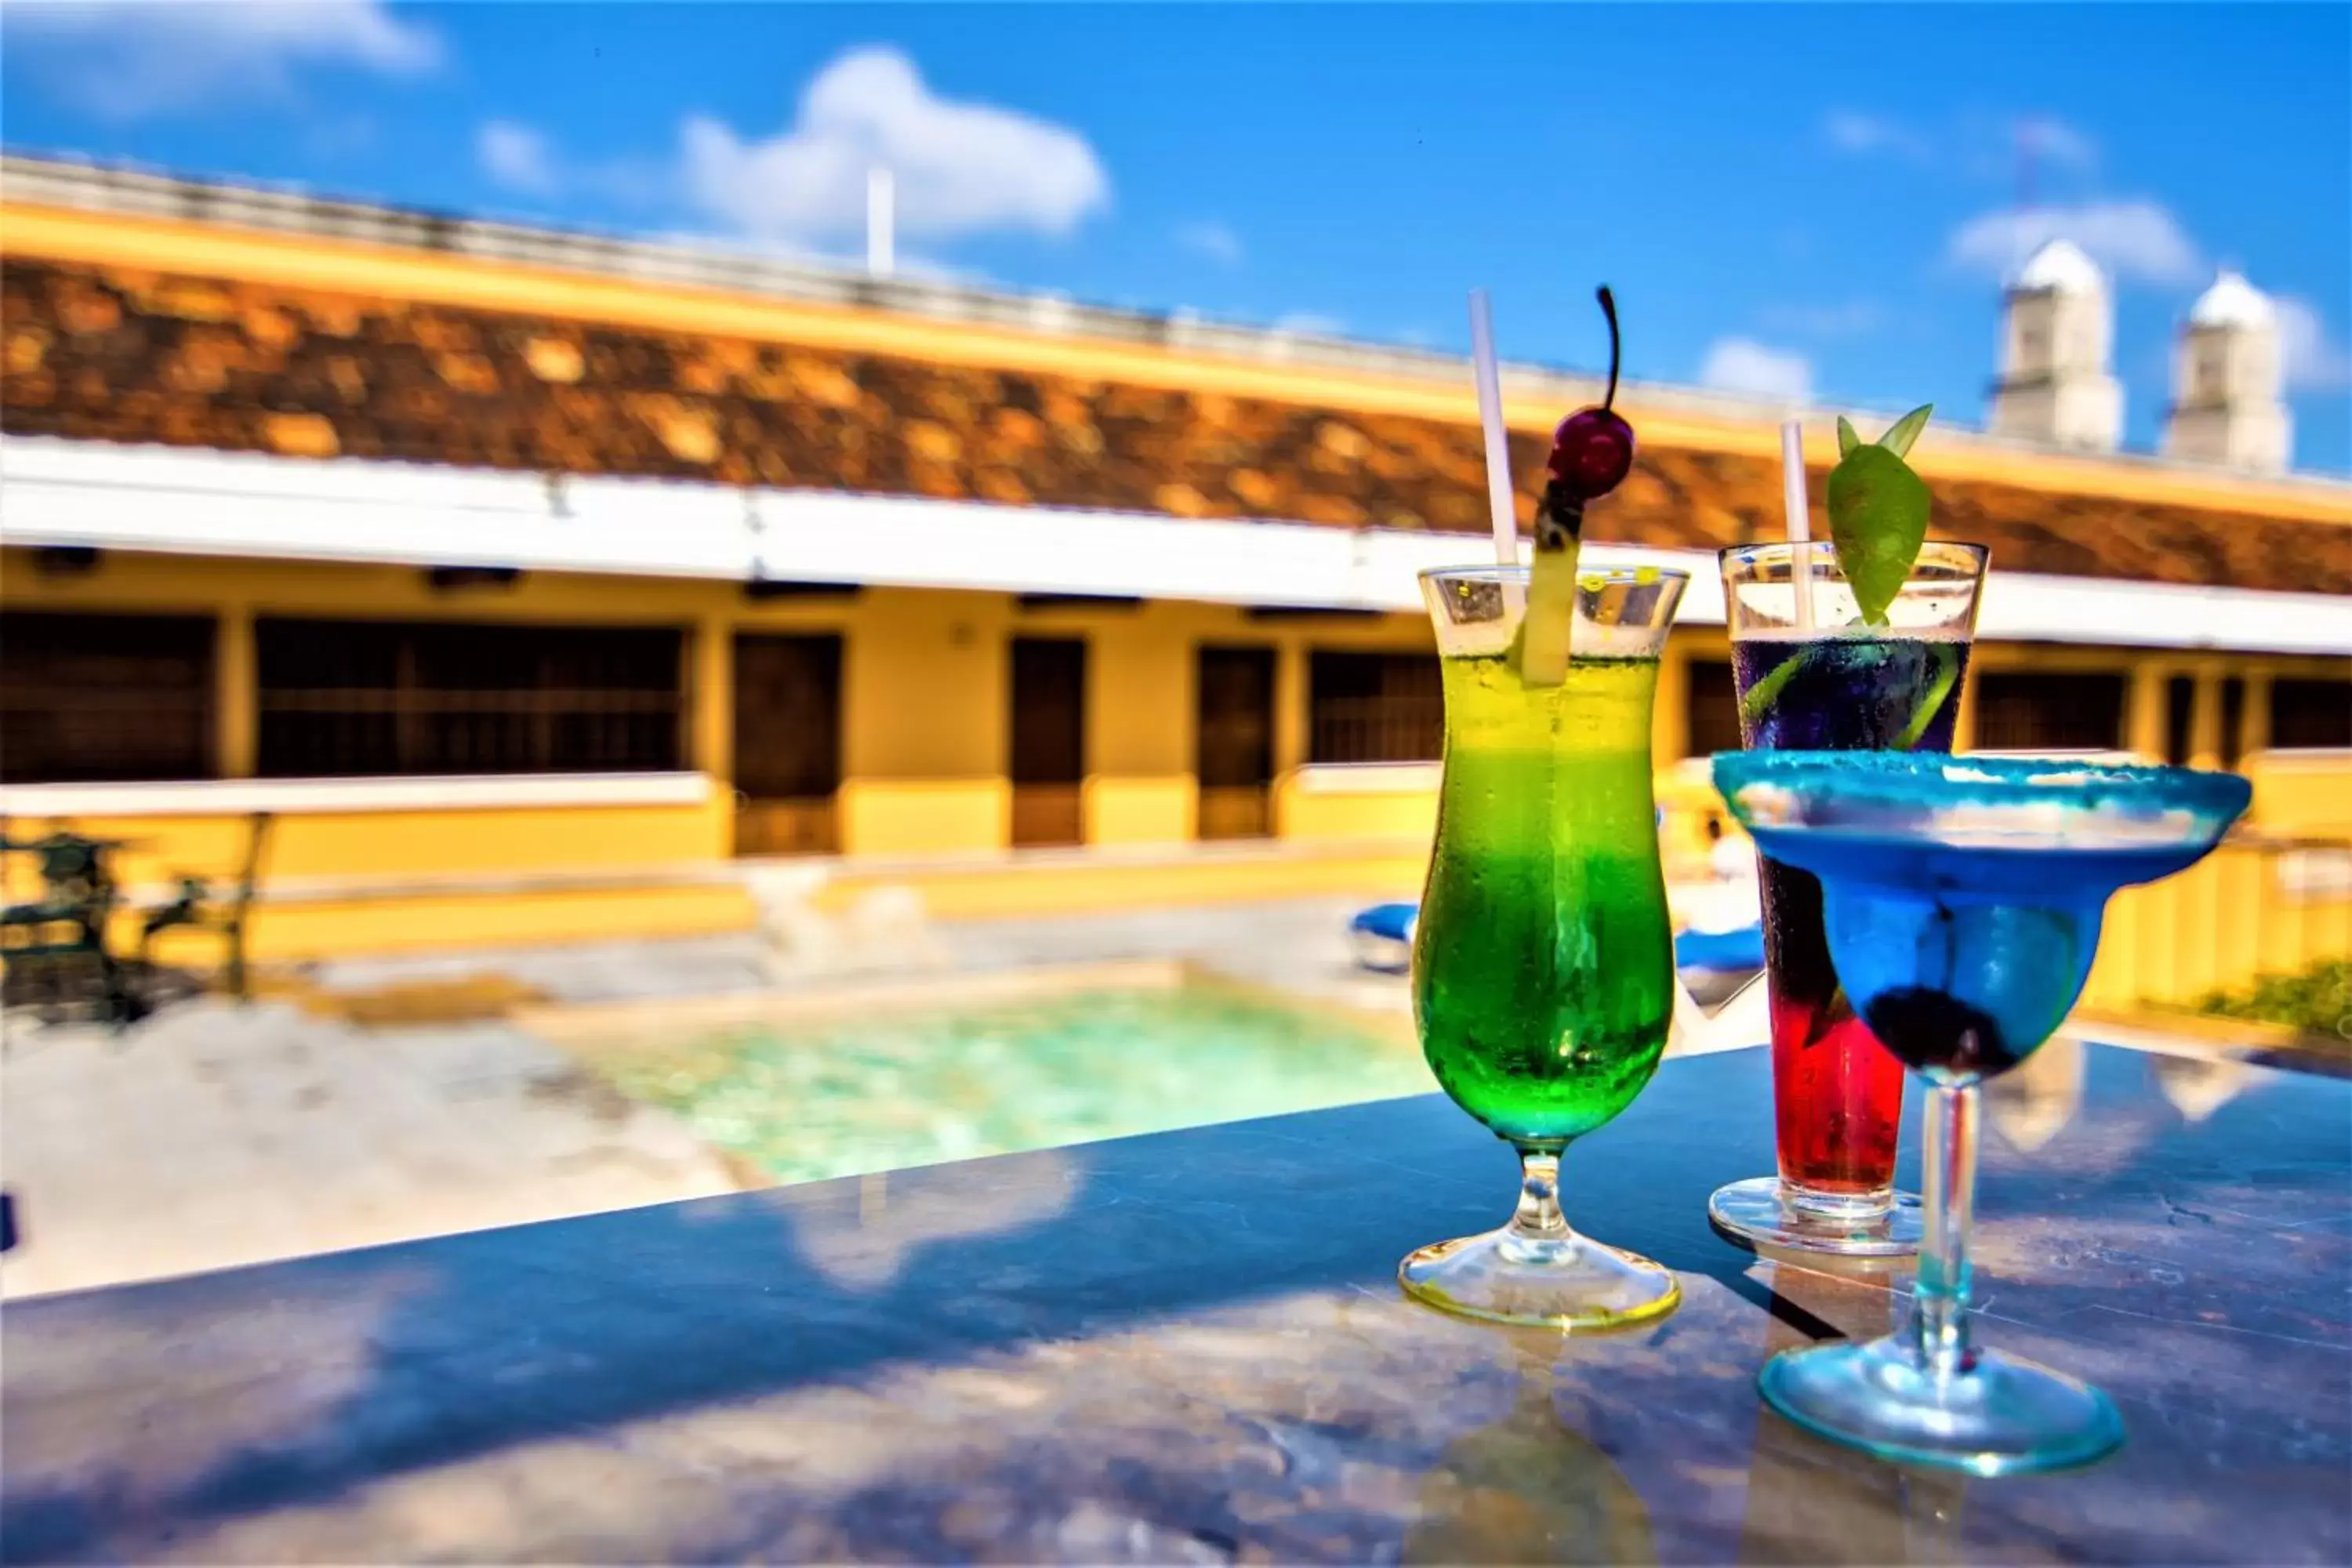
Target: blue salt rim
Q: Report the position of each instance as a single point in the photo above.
(1866, 782)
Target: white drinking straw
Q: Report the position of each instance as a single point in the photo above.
(1498, 446)
(1799, 518)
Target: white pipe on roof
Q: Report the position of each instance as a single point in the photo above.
(187, 501)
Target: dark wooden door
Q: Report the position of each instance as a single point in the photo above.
(787, 743)
(1234, 755)
(1049, 740)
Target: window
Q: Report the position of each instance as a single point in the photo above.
(1714, 708)
(1374, 707)
(2017, 712)
(2311, 713)
(787, 743)
(1048, 740)
(787, 716)
(342, 698)
(2233, 717)
(1232, 747)
(2179, 717)
(98, 698)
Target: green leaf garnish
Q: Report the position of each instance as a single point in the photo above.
(1878, 516)
(1905, 430)
(1848, 436)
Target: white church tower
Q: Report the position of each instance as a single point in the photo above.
(2058, 328)
(2226, 403)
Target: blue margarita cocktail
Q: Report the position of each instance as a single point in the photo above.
(1962, 899)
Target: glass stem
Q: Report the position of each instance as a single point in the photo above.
(1939, 1301)
(1538, 1217)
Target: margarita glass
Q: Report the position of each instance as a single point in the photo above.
(1543, 976)
(1962, 899)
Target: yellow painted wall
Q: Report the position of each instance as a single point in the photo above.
(1301, 813)
(2302, 792)
(926, 705)
(1129, 809)
(2234, 916)
(1069, 882)
(444, 919)
(1141, 676)
(394, 846)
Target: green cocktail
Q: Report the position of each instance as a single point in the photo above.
(1543, 969)
(1543, 974)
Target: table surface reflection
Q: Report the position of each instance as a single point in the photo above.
(1190, 1346)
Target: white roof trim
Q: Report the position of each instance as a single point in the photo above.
(202, 503)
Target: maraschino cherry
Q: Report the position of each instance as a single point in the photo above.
(1592, 450)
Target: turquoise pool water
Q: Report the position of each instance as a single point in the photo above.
(881, 1091)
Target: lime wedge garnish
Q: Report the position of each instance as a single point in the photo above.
(1761, 697)
(1947, 670)
(1551, 615)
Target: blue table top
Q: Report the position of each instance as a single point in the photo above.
(1192, 1347)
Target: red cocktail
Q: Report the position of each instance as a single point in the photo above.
(1826, 683)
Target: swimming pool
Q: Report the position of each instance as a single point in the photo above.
(804, 1099)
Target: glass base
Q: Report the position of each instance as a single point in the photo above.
(2001, 1417)
(1756, 1215)
(1559, 1282)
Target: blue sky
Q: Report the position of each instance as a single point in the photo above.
(1783, 198)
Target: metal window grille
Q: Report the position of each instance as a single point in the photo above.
(2023, 711)
(2180, 719)
(2307, 712)
(340, 699)
(1374, 707)
(90, 698)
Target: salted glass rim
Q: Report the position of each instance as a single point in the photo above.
(1500, 573)
(1969, 797)
(1824, 551)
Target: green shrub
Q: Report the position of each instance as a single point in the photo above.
(2318, 1001)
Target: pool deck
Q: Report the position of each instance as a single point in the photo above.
(214, 1135)
(1190, 1347)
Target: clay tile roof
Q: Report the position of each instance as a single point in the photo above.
(124, 350)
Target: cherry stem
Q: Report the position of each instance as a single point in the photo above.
(1609, 308)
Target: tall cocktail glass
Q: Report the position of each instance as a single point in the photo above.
(1962, 899)
(1543, 977)
(1819, 680)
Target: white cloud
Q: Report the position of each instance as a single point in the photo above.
(1211, 239)
(2136, 239)
(2048, 137)
(1743, 365)
(127, 60)
(961, 167)
(2314, 361)
(1848, 320)
(1851, 131)
(517, 157)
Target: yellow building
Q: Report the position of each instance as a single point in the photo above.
(527, 584)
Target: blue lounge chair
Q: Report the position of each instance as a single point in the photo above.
(1382, 936)
(1722, 951)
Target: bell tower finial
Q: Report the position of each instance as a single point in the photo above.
(2226, 401)
(2057, 327)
